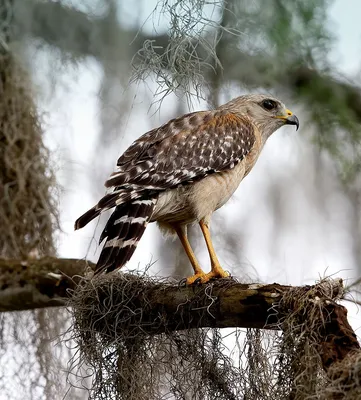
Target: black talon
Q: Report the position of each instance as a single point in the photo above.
(182, 282)
(197, 282)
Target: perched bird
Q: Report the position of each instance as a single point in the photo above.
(180, 173)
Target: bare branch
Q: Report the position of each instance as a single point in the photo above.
(54, 23)
(32, 283)
(73, 31)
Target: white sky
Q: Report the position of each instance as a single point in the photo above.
(310, 249)
(346, 27)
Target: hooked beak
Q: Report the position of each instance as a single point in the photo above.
(290, 119)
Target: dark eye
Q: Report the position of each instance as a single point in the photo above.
(269, 104)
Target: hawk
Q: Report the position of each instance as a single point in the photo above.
(180, 173)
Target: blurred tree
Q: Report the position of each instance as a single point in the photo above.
(28, 219)
(277, 46)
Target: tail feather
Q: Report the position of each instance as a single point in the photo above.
(118, 197)
(119, 212)
(116, 228)
(87, 217)
(123, 231)
(110, 200)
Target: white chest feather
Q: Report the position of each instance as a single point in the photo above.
(191, 203)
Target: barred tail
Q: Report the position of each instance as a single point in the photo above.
(123, 231)
(110, 200)
(87, 217)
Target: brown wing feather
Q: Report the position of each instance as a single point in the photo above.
(138, 149)
(184, 150)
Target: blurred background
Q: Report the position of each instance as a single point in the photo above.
(92, 76)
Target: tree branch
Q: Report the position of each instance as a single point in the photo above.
(75, 32)
(125, 305)
(154, 307)
(30, 284)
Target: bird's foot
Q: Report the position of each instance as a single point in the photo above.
(217, 272)
(196, 279)
(201, 277)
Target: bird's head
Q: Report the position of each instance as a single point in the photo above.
(266, 112)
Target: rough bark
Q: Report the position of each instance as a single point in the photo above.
(38, 283)
(224, 303)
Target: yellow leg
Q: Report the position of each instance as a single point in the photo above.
(198, 272)
(217, 271)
